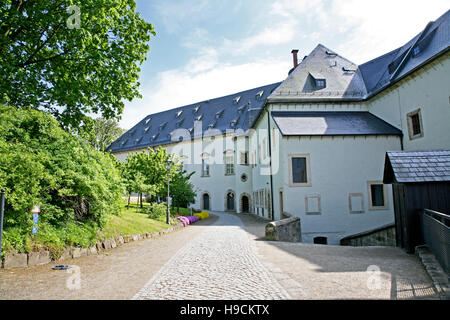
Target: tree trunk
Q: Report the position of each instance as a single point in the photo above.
(129, 198)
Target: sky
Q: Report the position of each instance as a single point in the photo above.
(207, 49)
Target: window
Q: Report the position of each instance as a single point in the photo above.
(415, 128)
(229, 164)
(205, 168)
(264, 148)
(299, 171)
(416, 51)
(320, 240)
(244, 158)
(259, 154)
(377, 195)
(320, 83)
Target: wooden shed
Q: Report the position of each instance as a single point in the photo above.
(420, 180)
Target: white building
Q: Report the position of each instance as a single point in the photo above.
(314, 145)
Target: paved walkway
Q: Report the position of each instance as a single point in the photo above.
(224, 258)
(218, 264)
(320, 272)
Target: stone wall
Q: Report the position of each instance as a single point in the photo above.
(288, 230)
(22, 260)
(384, 236)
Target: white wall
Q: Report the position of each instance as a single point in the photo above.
(427, 89)
(339, 166)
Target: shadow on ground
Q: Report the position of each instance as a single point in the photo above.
(343, 272)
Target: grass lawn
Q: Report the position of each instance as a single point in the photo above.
(131, 221)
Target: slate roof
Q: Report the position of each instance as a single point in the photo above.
(231, 112)
(301, 123)
(347, 81)
(417, 166)
(431, 42)
(343, 79)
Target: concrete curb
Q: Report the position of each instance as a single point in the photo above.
(23, 260)
(437, 274)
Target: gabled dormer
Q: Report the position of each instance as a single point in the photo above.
(323, 74)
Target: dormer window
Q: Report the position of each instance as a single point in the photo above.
(219, 114)
(146, 129)
(148, 120)
(241, 109)
(199, 117)
(320, 83)
(154, 137)
(162, 126)
(196, 109)
(179, 123)
(179, 113)
(416, 51)
(237, 99)
(138, 140)
(259, 94)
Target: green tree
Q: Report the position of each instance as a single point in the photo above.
(104, 132)
(41, 164)
(50, 62)
(181, 190)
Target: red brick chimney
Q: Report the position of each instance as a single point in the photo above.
(294, 56)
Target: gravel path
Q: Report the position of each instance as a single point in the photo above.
(220, 263)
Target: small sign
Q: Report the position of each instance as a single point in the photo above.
(36, 209)
(35, 221)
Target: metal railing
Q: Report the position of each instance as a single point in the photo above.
(436, 234)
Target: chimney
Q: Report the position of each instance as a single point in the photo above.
(294, 56)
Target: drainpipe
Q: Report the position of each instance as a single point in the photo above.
(270, 164)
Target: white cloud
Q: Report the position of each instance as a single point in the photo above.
(377, 27)
(362, 29)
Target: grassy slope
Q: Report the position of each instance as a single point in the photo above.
(130, 221)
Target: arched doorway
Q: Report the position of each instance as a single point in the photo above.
(230, 201)
(245, 204)
(206, 202)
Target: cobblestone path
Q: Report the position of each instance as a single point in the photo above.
(219, 263)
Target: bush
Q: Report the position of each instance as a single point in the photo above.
(158, 211)
(41, 164)
(202, 215)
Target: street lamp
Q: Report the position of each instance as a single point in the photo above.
(168, 166)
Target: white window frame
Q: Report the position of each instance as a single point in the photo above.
(308, 170)
(244, 158)
(319, 205)
(385, 196)
(355, 195)
(229, 163)
(409, 116)
(205, 159)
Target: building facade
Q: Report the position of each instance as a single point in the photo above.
(313, 145)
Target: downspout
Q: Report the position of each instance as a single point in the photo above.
(270, 164)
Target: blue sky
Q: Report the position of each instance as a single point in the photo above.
(206, 49)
